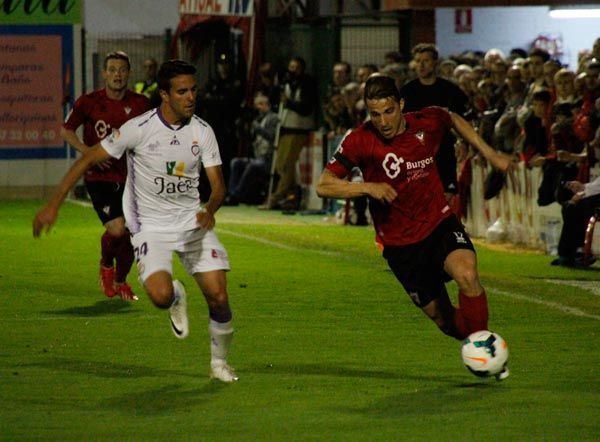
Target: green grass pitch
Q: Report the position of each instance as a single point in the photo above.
(328, 347)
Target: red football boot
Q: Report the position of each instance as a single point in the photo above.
(107, 280)
(124, 291)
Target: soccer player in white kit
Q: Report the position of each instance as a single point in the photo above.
(164, 148)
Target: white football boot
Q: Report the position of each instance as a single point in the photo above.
(178, 312)
(223, 372)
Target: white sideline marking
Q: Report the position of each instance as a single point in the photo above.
(243, 236)
(591, 286)
(276, 244)
(555, 305)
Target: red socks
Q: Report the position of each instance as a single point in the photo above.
(472, 315)
(119, 249)
(124, 259)
(109, 246)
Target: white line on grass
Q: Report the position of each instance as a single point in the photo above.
(555, 305)
(591, 286)
(278, 245)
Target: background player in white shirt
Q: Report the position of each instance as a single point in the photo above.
(162, 206)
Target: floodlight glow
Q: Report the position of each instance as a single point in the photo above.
(574, 13)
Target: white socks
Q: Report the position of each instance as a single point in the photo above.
(221, 334)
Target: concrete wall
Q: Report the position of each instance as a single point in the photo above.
(509, 27)
(138, 16)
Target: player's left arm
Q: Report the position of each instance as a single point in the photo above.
(465, 130)
(206, 216)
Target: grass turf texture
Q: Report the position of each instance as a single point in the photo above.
(327, 346)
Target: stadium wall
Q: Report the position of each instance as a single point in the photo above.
(510, 27)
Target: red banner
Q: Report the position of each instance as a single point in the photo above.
(30, 91)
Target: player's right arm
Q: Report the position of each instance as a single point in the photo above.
(72, 139)
(46, 217)
(330, 186)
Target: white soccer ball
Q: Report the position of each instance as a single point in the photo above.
(484, 353)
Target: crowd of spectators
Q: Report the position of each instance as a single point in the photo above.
(525, 103)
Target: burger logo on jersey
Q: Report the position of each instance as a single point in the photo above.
(391, 165)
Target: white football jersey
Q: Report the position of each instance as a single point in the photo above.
(163, 170)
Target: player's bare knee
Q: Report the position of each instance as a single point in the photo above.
(217, 300)
(161, 295)
(468, 281)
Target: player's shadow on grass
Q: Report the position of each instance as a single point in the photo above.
(164, 400)
(431, 399)
(105, 369)
(100, 308)
(321, 370)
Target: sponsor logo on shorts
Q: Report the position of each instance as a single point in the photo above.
(459, 237)
(218, 254)
(415, 297)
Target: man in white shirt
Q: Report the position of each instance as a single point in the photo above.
(162, 207)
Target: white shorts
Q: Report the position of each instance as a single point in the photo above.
(199, 251)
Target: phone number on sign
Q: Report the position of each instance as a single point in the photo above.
(27, 135)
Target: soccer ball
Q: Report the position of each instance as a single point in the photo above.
(484, 353)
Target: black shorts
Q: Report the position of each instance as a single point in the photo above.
(107, 198)
(420, 267)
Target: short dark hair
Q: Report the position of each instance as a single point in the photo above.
(300, 61)
(381, 86)
(539, 52)
(171, 69)
(518, 52)
(372, 67)
(593, 64)
(426, 47)
(395, 56)
(117, 55)
(564, 109)
(347, 66)
(543, 95)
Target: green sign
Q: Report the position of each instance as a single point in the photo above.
(40, 12)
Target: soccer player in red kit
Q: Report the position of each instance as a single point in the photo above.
(424, 243)
(100, 112)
